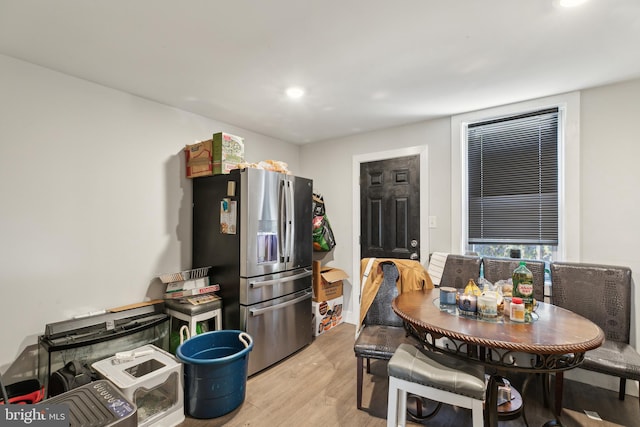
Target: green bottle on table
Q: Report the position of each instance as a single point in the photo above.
(523, 288)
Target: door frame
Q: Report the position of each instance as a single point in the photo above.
(422, 151)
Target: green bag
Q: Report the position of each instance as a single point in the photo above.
(323, 239)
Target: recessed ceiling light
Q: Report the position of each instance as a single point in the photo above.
(295, 92)
(570, 3)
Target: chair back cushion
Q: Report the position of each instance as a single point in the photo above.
(601, 293)
(458, 269)
(380, 312)
(502, 268)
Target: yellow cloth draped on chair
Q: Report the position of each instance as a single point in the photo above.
(412, 276)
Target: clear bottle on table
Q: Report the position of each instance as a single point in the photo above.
(523, 288)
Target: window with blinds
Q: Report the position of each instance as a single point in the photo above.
(513, 180)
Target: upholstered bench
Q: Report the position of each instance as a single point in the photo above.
(434, 376)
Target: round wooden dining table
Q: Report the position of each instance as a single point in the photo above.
(555, 340)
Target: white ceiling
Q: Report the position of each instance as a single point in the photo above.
(365, 64)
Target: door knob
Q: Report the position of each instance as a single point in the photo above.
(414, 243)
(413, 256)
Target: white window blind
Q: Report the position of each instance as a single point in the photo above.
(513, 179)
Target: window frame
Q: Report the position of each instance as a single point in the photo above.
(568, 169)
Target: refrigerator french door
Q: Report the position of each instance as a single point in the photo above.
(254, 228)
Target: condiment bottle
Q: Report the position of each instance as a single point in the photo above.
(517, 309)
(523, 288)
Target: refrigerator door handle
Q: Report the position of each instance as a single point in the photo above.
(282, 242)
(290, 220)
(261, 283)
(259, 311)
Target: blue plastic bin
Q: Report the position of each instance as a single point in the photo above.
(215, 372)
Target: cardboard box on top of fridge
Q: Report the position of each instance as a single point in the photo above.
(218, 155)
(228, 151)
(199, 159)
(327, 314)
(327, 282)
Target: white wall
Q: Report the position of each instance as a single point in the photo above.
(94, 200)
(611, 174)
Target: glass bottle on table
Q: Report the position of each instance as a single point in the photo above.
(523, 288)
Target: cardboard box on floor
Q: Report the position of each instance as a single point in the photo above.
(327, 282)
(327, 314)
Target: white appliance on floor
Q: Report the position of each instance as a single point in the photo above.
(152, 379)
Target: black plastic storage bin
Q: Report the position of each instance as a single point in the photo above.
(215, 372)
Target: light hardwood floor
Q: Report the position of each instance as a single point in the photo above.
(317, 387)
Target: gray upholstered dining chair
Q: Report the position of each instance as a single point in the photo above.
(383, 329)
(502, 268)
(602, 294)
(458, 269)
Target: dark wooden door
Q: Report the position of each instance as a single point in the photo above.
(390, 208)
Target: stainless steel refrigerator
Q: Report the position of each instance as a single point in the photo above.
(254, 228)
